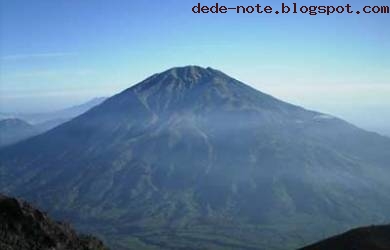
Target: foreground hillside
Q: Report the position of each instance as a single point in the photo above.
(367, 238)
(191, 158)
(23, 227)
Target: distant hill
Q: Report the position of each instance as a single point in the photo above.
(13, 130)
(365, 238)
(57, 117)
(4, 116)
(191, 158)
(23, 227)
(17, 127)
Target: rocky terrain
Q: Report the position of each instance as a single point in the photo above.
(22, 227)
(365, 238)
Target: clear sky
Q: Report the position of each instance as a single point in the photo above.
(58, 53)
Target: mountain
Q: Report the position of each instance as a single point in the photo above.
(13, 130)
(23, 227)
(191, 158)
(366, 238)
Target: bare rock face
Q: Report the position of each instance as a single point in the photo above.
(23, 227)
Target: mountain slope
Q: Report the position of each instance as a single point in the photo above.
(191, 158)
(366, 238)
(14, 130)
(22, 227)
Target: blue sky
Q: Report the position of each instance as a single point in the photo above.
(58, 53)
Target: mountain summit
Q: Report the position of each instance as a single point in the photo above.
(193, 159)
(194, 88)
